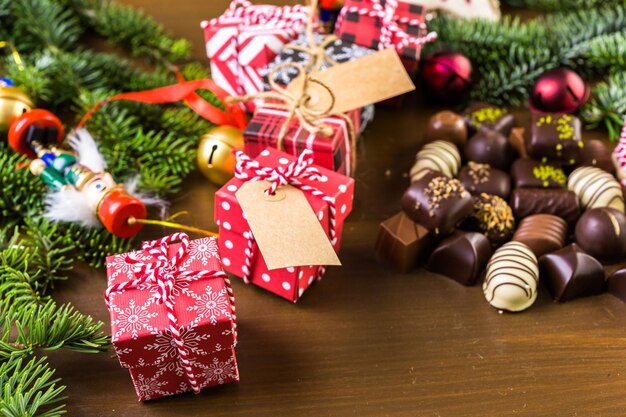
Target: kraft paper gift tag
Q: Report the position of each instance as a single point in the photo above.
(355, 84)
(285, 227)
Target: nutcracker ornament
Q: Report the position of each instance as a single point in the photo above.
(216, 153)
(81, 190)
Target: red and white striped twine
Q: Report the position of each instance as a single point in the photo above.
(279, 17)
(389, 25)
(163, 273)
(248, 169)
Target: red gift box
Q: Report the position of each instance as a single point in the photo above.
(332, 152)
(379, 24)
(247, 38)
(240, 254)
(172, 316)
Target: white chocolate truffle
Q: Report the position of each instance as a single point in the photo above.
(511, 279)
(596, 188)
(440, 156)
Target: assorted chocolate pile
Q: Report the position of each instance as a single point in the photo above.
(488, 199)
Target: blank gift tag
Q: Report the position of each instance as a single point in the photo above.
(357, 83)
(284, 226)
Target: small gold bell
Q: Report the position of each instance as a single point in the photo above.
(216, 159)
(13, 103)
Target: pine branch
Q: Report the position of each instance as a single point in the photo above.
(92, 246)
(607, 106)
(131, 29)
(558, 5)
(48, 327)
(28, 389)
(22, 194)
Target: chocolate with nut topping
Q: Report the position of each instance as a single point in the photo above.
(482, 178)
(437, 202)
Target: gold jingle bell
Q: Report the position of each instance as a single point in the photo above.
(216, 158)
(13, 103)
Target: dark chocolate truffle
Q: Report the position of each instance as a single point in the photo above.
(571, 273)
(529, 173)
(481, 178)
(511, 279)
(493, 217)
(447, 126)
(554, 138)
(440, 156)
(617, 284)
(597, 154)
(461, 257)
(490, 147)
(601, 232)
(403, 243)
(562, 203)
(596, 188)
(542, 233)
(483, 116)
(437, 202)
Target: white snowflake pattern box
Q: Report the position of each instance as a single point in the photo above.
(204, 313)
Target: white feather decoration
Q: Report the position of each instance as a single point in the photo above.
(68, 205)
(88, 154)
(149, 200)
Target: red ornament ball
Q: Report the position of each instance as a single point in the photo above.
(447, 76)
(560, 90)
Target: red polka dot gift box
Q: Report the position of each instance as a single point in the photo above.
(173, 319)
(328, 193)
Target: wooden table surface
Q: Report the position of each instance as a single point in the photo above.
(366, 341)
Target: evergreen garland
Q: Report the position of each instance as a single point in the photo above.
(512, 54)
(152, 144)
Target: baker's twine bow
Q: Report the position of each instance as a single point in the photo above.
(284, 17)
(390, 28)
(248, 169)
(161, 274)
(297, 104)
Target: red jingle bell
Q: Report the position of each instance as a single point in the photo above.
(560, 90)
(447, 76)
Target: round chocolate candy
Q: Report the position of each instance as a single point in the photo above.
(601, 232)
(448, 126)
(440, 156)
(481, 178)
(511, 278)
(437, 202)
(596, 188)
(490, 147)
(493, 217)
(597, 154)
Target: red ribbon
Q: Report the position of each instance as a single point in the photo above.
(186, 91)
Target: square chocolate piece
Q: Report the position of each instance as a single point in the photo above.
(483, 116)
(555, 138)
(437, 202)
(403, 243)
(530, 173)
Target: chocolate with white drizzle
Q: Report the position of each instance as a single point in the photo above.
(596, 188)
(440, 156)
(511, 279)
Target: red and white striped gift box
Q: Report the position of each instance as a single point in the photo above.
(247, 38)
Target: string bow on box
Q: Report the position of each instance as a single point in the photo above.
(391, 34)
(292, 174)
(160, 275)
